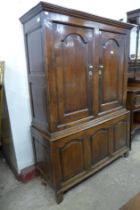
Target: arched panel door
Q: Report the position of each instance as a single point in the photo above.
(120, 135)
(74, 60)
(111, 70)
(100, 145)
(72, 158)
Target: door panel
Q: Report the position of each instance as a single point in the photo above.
(111, 70)
(99, 145)
(72, 158)
(111, 65)
(120, 135)
(73, 54)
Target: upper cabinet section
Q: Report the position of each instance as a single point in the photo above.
(77, 65)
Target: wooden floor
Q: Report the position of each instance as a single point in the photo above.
(133, 204)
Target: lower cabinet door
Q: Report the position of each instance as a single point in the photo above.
(99, 145)
(109, 138)
(120, 135)
(69, 157)
(72, 158)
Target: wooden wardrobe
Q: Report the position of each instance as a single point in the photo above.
(77, 70)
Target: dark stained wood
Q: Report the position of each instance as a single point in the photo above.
(134, 64)
(73, 149)
(111, 70)
(133, 104)
(133, 16)
(133, 92)
(99, 145)
(73, 55)
(44, 6)
(120, 135)
(133, 204)
(77, 156)
(80, 123)
(133, 72)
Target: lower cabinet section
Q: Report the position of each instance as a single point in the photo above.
(66, 161)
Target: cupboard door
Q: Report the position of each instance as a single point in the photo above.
(73, 56)
(70, 158)
(120, 133)
(111, 70)
(72, 161)
(99, 144)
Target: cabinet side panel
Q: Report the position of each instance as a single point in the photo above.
(34, 48)
(42, 156)
(37, 78)
(39, 105)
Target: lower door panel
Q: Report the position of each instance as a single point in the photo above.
(99, 144)
(120, 135)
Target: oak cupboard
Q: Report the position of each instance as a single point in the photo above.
(77, 70)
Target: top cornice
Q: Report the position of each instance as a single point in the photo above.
(44, 6)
